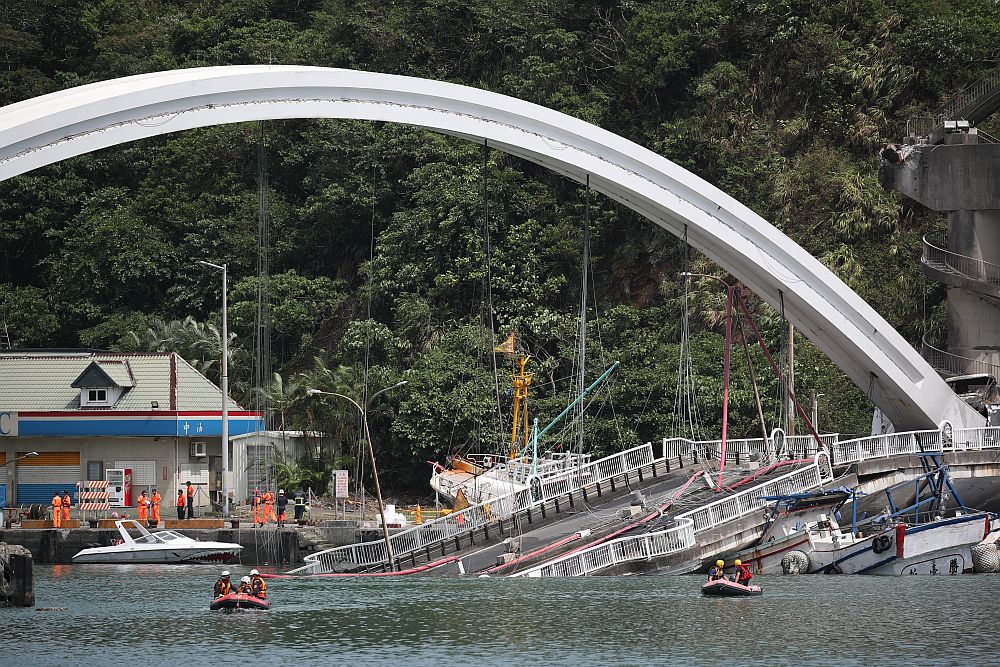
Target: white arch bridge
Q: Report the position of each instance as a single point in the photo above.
(46, 129)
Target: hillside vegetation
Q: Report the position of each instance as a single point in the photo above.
(781, 103)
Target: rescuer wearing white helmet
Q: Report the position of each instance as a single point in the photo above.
(223, 586)
(257, 585)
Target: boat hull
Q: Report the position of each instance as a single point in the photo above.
(941, 547)
(238, 601)
(200, 556)
(724, 588)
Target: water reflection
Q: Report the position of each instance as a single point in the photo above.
(163, 611)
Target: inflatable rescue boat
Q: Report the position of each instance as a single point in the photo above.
(238, 601)
(730, 589)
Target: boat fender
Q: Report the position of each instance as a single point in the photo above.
(881, 544)
(900, 537)
(795, 562)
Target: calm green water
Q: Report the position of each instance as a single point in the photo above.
(158, 615)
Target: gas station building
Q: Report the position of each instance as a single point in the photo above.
(87, 412)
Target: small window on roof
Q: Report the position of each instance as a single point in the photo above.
(97, 395)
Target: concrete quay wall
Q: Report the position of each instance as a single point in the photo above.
(260, 546)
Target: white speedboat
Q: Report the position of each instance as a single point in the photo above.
(164, 546)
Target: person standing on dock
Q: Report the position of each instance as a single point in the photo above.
(282, 502)
(255, 505)
(190, 495)
(143, 506)
(154, 510)
(268, 506)
(180, 504)
(66, 503)
(57, 510)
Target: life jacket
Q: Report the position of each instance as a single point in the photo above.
(223, 587)
(180, 500)
(255, 501)
(245, 589)
(259, 587)
(190, 491)
(155, 500)
(56, 501)
(67, 501)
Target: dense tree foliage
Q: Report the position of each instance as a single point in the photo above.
(412, 255)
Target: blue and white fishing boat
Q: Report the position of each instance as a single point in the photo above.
(925, 537)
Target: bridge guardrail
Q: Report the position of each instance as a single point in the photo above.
(689, 524)
(481, 514)
(622, 550)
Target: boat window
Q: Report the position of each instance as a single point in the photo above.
(167, 536)
(147, 539)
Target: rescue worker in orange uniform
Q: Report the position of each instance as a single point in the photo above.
(56, 511)
(268, 506)
(181, 504)
(258, 585)
(255, 504)
(154, 509)
(223, 586)
(143, 504)
(66, 503)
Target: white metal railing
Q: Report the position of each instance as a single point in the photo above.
(481, 514)
(689, 524)
(914, 442)
(739, 450)
(955, 364)
(752, 500)
(622, 550)
(958, 107)
(967, 267)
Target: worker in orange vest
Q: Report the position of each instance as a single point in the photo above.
(143, 505)
(255, 503)
(181, 504)
(67, 501)
(268, 506)
(190, 495)
(56, 511)
(154, 509)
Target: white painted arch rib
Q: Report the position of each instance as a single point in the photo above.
(40, 131)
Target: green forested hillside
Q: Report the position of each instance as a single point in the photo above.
(783, 104)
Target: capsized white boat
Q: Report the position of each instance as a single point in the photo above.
(164, 546)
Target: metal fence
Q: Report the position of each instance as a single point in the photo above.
(482, 514)
(622, 550)
(955, 364)
(914, 442)
(958, 107)
(968, 267)
(752, 500)
(689, 524)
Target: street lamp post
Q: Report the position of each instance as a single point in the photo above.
(225, 387)
(390, 557)
(815, 409)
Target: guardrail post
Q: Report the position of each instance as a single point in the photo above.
(612, 480)
(598, 489)
(543, 509)
(640, 474)
(584, 489)
(556, 499)
(529, 516)
(458, 545)
(569, 494)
